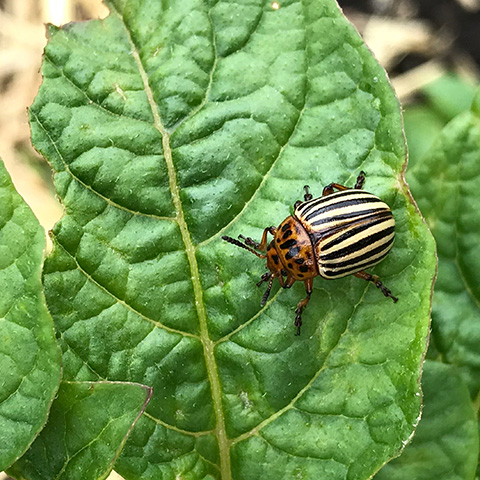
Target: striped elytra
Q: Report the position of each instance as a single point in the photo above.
(350, 230)
(343, 232)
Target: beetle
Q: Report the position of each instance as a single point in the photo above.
(343, 232)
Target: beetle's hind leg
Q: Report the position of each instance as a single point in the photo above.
(302, 304)
(376, 281)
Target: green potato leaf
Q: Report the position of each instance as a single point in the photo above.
(170, 124)
(86, 430)
(29, 355)
(445, 445)
(446, 186)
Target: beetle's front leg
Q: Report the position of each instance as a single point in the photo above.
(262, 246)
(302, 304)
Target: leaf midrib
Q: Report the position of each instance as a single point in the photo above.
(208, 344)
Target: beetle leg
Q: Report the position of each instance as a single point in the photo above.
(376, 281)
(329, 189)
(263, 243)
(360, 180)
(267, 292)
(308, 196)
(264, 278)
(302, 304)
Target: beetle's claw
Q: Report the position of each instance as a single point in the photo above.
(386, 291)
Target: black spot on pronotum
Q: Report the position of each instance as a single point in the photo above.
(285, 227)
(293, 252)
(287, 234)
(300, 275)
(299, 260)
(288, 244)
(290, 265)
(303, 268)
(275, 259)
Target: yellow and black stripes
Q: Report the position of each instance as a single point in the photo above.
(351, 230)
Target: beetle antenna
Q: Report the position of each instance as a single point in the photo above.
(267, 292)
(236, 242)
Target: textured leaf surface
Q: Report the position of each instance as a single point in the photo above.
(446, 184)
(169, 125)
(86, 430)
(445, 445)
(29, 356)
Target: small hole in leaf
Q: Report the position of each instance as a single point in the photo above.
(275, 5)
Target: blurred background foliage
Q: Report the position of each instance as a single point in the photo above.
(430, 49)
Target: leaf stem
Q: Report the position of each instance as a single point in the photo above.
(208, 344)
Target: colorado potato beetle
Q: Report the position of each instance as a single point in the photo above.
(341, 233)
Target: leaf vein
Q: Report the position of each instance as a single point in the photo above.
(210, 79)
(177, 429)
(91, 101)
(208, 346)
(88, 187)
(120, 301)
(297, 455)
(307, 386)
(260, 185)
